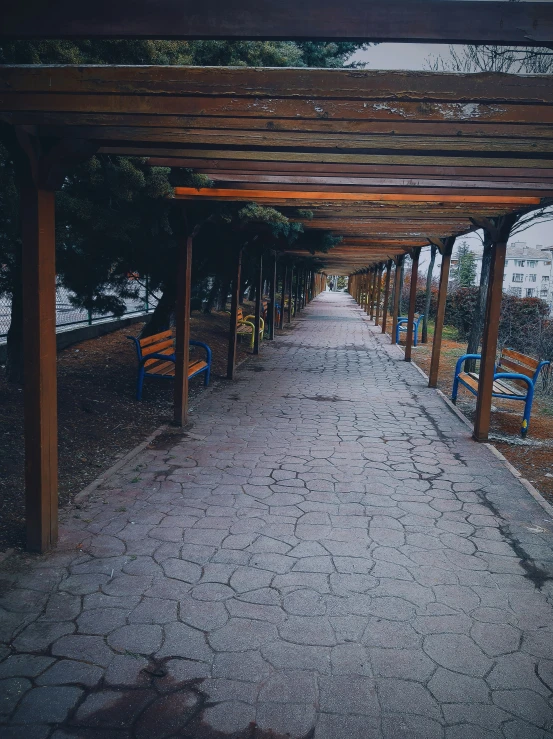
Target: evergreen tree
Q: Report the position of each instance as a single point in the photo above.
(464, 273)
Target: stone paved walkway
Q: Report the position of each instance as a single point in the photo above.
(326, 555)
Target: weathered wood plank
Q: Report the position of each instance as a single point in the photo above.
(280, 83)
(456, 21)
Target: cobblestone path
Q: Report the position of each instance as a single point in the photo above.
(327, 554)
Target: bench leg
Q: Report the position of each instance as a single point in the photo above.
(527, 411)
(207, 374)
(139, 383)
(455, 389)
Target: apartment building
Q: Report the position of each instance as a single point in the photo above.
(528, 271)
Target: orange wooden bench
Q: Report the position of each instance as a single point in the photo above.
(156, 358)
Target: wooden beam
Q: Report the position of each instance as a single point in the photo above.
(386, 295)
(501, 230)
(272, 296)
(397, 287)
(182, 330)
(290, 290)
(39, 352)
(283, 295)
(235, 302)
(258, 296)
(440, 313)
(192, 193)
(456, 21)
(378, 294)
(412, 303)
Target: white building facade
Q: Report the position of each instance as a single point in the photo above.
(528, 272)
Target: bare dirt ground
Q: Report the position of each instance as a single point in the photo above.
(533, 456)
(99, 419)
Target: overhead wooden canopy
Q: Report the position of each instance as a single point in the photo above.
(455, 21)
(380, 158)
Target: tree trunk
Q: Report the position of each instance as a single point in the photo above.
(477, 325)
(161, 317)
(223, 294)
(213, 295)
(14, 345)
(428, 295)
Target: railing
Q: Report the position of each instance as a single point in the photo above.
(68, 315)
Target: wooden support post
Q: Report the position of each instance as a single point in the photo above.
(272, 297)
(491, 328)
(296, 291)
(386, 295)
(182, 331)
(235, 301)
(395, 306)
(258, 296)
(373, 293)
(440, 314)
(283, 296)
(39, 351)
(415, 255)
(378, 293)
(290, 292)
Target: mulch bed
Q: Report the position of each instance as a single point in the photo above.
(532, 457)
(99, 419)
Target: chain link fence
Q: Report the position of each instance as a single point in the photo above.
(68, 315)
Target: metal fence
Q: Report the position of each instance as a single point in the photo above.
(68, 315)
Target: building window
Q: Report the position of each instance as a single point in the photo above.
(517, 277)
(545, 278)
(506, 262)
(532, 278)
(519, 262)
(516, 291)
(532, 263)
(543, 294)
(529, 292)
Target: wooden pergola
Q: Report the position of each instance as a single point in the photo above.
(388, 161)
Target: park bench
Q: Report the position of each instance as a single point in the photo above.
(402, 322)
(245, 326)
(156, 358)
(515, 378)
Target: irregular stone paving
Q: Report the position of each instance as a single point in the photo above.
(326, 555)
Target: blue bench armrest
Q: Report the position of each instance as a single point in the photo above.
(193, 342)
(539, 368)
(514, 376)
(463, 359)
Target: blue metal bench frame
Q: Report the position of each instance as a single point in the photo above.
(528, 398)
(143, 371)
(402, 322)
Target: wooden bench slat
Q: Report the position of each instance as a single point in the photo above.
(522, 358)
(166, 352)
(156, 337)
(515, 367)
(159, 348)
(471, 379)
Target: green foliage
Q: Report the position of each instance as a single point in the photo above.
(459, 309)
(464, 272)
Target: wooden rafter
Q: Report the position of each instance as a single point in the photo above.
(455, 21)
